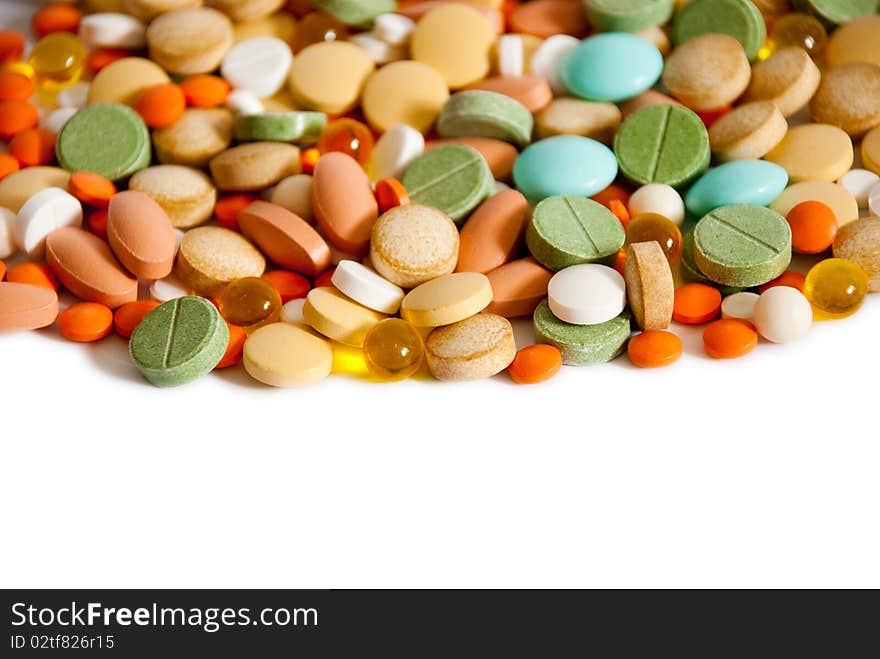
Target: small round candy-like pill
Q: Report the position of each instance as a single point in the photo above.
(393, 349)
(250, 302)
(535, 363)
(696, 304)
(654, 349)
(787, 278)
(547, 59)
(657, 198)
(290, 286)
(729, 338)
(836, 287)
(127, 317)
(813, 227)
(57, 60)
(85, 322)
(285, 355)
(739, 305)
(586, 294)
(782, 314)
(651, 226)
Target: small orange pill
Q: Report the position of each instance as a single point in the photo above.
(8, 165)
(787, 278)
(620, 211)
(205, 91)
(85, 322)
(11, 46)
(324, 278)
(390, 193)
(729, 338)
(654, 348)
(235, 347)
(227, 209)
(309, 159)
(129, 316)
(813, 227)
(34, 146)
(290, 285)
(613, 192)
(15, 86)
(36, 274)
(92, 189)
(56, 17)
(534, 364)
(161, 105)
(16, 116)
(99, 59)
(97, 222)
(696, 304)
(2, 270)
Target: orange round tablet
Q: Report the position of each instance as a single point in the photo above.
(205, 91)
(55, 17)
(535, 363)
(290, 285)
(97, 222)
(92, 189)
(11, 46)
(611, 193)
(36, 274)
(127, 317)
(787, 278)
(696, 304)
(324, 278)
(227, 209)
(8, 165)
(15, 86)
(235, 347)
(85, 322)
(729, 338)
(813, 227)
(654, 348)
(390, 193)
(309, 159)
(2, 270)
(99, 59)
(34, 146)
(16, 116)
(161, 105)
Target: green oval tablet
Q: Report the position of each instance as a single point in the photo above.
(742, 245)
(107, 139)
(662, 144)
(179, 341)
(628, 15)
(567, 230)
(481, 113)
(453, 178)
(740, 19)
(836, 12)
(581, 345)
(301, 127)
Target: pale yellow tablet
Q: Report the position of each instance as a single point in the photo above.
(124, 80)
(17, 188)
(280, 25)
(835, 196)
(814, 152)
(335, 316)
(871, 150)
(447, 299)
(329, 76)
(454, 39)
(285, 355)
(855, 41)
(404, 92)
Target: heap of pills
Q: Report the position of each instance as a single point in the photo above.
(269, 183)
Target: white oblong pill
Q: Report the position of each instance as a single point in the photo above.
(394, 151)
(76, 96)
(166, 289)
(244, 101)
(657, 198)
(55, 120)
(587, 294)
(859, 182)
(295, 194)
(7, 233)
(259, 65)
(40, 215)
(394, 29)
(782, 314)
(511, 55)
(292, 311)
(739, 305)
(367, 287)
(549, 55)
(377, 50)
(112, 30)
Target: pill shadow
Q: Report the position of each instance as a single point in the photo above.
(111, 357)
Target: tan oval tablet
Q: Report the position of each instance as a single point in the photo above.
(849, 97)
(254, 166)
(788, 77)
(834, 195)
(518, 287)
(475, 348)
(707, 72)
(344, 203)
(189, 41)
(328, 76)
(210, 257)
(747, 132)
(337, 317)
(285, 355)
(124, 80)
(533, 91)
(26, 307)
(499, 155)
(813, 152)
(649, 285)
(18, 187)
(287, 239)
(447, 299)
(140, 235)
(859, 242)
(454, 39)
(87, 268)
(573, 116)
(195, 138)
(185, 194)
(494, 233)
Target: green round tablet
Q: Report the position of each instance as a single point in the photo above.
(740, 19)
(628, 15)
(301, 127)
(360, 13)
(481, 113)
(836, 12)
(107, 139)
(179, 341)
(742, 245)
(582, 344)
(688, 266)
(568, 230)
(662, 144)
(453, 178)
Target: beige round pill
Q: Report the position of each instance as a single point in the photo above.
(195, 138)
(707, 72)
(328, 76)
(124, 80)
(412, 244)
(871, 150)
(281, 26)
(404, 92)
(572, 116)
(185, 194)
(472, 349)
(747, 132)
(849, 97)
(813, 152)
(254, 166)
(455, 40)
(447, 299)
(860, 242)
(189, 41)
(18, 187)
(210, 257)
(286, 355)
(335, 316)
(147, 10)
(834, 195)
(855, 41)
(250, 10)
(788, 77)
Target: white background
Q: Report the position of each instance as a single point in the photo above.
(759, 472)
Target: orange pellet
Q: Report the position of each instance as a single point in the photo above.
(324, 278)
(97, 60)
(787, 278)
(696, 304)
(237, 337)
(620, 262)
(711, 116)
(92, 189)
(612, 192)
(309, 159)
(57, 17)
(15, 86)
(8, 165)
(129, 316)
(2, 270)
(813, 227)
(97, 222)
(34, 146)
(227, 209)
(654, 348)
(620, 211)
(85, 322)
(534, 364)
(390, 193)
(205, 91)
(11, 46)
(36, 274)
(161, 105)
(290, 285)
(729, 338)
(16, 116)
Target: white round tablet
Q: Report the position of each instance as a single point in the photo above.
(295, 194)
(657, 198)
(55, 120)
(243, 101)
(511, 55)
(292, 311)
(549, 55)
(859, 182)
(40, 215)
(367, 287)
(394, 29)
(259, 65)
(394, 151)
(111, 30)
(739, 305)
(166, 289)
(586, 294)
(782, 314)
(76, 96)
(7, 233)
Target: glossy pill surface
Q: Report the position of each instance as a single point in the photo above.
(393, 350)
(836, 287)
(250, 302)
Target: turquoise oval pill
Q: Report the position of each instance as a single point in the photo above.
(755, 182)
(613, 66)
(564, 165)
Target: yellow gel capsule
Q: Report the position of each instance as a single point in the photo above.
(836, 288)
(393, 350)
(57, 60)
(249, 302)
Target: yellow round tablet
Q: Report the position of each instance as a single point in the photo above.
(454, 39)
(285, 355)
(813, 152)
(871, 150)
(280, 25)
(335, 316)
(329, 76)
(20, 186)
(833, 195)
(855, 41)
(404, 92)
(447, 299)
(124, 80)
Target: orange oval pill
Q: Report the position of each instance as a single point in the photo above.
(205, 91)
(11, 46)
(130, 315)
(654, 348)
(534, 364)
(234, 347)
(15, 86)
(33, 147)
(92, 189)
(2, 270)
(35, 274)
(787, 278)
(8, 165)
(161, 105)
(97, 222)
(518, 287)
(290, 286)
(85, 322)
(533, 92)
(611, 193)
(346, 219)
(493, 234)
(390, 193)
(729, 338)
(140, 235)
(25, 306)
(545, 18)
(499, 155)
(55, 17)
(16, 116)
(227, 209)
(813, 227)
(696, 304)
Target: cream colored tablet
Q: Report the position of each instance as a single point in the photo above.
(406, 92)
(185, 194)
(573, 116)
(871, 150)
(328, 76)
(707, 72)
(475, 348)
(788, 77)
(189, 41)
(211, 257)
(837, 197)
(335, 316)
(124, 80)
(747, 132)
(813, 152)
(20, 186)
(855, 41)
(285, 355)
(447, 299)
(849, 97)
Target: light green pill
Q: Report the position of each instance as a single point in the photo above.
(481, 113)
(581, 345)
(453, 178)
(662, 144)
(740, 19)
(179, 341)
(568, 230)
(360, 13)
(107, 139)
(688, 267)
(742, 245)
(628, 15)
(301, 127)
(837, 12)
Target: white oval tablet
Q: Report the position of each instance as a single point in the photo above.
(111, 30)
(549, 55)
(367, 287)
(7, 233)
(394, 29)
(166, 289)
(511, 55)
(259, 65)
(782, 314)
(76, 96)
(587, 294)
(395, 150)
(40, 215)
(859, 182)
(292, 311)
(657, 198)
(739, 305)
(55, 120)
(243, 101)
(295, 194)
(377, 50)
